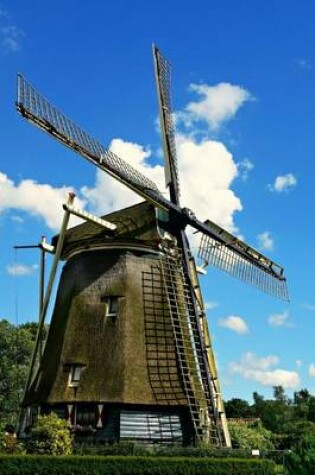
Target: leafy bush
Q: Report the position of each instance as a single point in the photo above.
(250, 436)
(76, 465)
(302, 460)
(50, 435)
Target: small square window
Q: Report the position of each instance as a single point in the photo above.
(75, 375)
(111, 306)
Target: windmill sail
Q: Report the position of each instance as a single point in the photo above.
(163, 82)
(248, 265)
(35, 108)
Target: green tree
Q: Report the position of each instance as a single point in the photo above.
(250, 436)
(50, 435)
(259, 403)
(301, 461)
(311, 409)
(238, 408)
(294, 431)
(16, 344)
(274, 413)
(279, 394)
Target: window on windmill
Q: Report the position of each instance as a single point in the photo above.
(75, 375)
(111, 306)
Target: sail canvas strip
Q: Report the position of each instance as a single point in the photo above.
(237, 265)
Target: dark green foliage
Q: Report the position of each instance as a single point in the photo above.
(76, 465)
(16, 344)
(132, 448)
(50, 435)
(237, 408)
(302, 460)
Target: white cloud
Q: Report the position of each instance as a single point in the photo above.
(279, 320)
(234, 323)
(304, 64)
(210, 305)
(244, 168)
(11, 37)
(206, 170)
(309, 306)
(265, 241)
(108, 194)
(299, 363)
(283, 183)
(216, 105)
(17, 219)
(21, 269)
(40, 200)
(311, 370)
(257, 369)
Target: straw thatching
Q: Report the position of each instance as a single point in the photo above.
(128, 359)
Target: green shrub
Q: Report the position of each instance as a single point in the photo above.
(50, 435)
(302, 460)
(124, 465)
(250, 435)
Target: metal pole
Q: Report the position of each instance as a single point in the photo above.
(41, 289)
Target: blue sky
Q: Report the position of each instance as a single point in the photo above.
(244, 97)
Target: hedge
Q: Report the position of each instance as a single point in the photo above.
(125, 465)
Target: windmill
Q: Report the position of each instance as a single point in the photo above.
(128, 351)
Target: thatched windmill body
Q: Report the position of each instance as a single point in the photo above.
(128, 351)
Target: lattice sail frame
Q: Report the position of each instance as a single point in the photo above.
(163, 80)
(35, 107)
(237, 265)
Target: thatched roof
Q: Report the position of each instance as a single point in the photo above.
(139, 223)
(132, 359)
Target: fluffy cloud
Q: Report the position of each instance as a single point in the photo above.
(21, 269)
(234, 323)
(245, 167)
(17, 219)
(40, 200)
(265, 241)
(216, 105)
(311, 370)
(279, 320)
(206, 169)
(309, 306)
(283, 183)
(210, 305)
(304, 64)
(257, 369)
(108, 194)
(11, 37)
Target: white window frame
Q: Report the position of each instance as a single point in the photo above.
(109, 301)
(75, 375)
